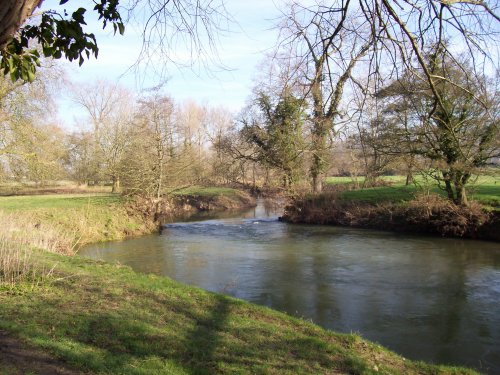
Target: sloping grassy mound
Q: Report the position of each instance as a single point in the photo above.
(62, 223)
(106, 319)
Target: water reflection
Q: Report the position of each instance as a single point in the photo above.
(426, 298)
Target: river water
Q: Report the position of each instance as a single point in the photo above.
(426, 298)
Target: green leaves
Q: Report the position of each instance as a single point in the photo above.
(20, 66)
(58, 36)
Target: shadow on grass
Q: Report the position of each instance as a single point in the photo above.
(202, 341)
(117, 342)
(172, 330)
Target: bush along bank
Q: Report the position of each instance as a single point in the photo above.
(426, 214)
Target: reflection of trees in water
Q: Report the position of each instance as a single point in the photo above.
(265, 208)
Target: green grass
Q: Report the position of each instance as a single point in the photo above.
(334, 180)
(58, 201)
(485, 189)
(107, 319)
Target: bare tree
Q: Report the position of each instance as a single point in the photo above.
(110, 109)
(327, 41)
(325, 45)
(156, 116)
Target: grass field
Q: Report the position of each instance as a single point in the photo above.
(106, 319)
(53, 187)
(58, 201)
(485, 189)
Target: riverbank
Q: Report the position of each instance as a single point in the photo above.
(392, 206)
(62, 223)
(98, 318)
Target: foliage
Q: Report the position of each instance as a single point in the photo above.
(326, 47)
(58, 36)
(31, 147)
(277, 134)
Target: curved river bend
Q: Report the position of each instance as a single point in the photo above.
(426, 298)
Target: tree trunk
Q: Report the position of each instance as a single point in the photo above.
(317, 183)
(409, 178)
(319, 156)
(461, 194)
(370, 180)
(461, 198)
(447, 186)
(409, 170)
(115, 187)
(13, 13)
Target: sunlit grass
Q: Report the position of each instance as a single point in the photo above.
(484, 189)
(78, 219)
(63, 201)
(8, 188)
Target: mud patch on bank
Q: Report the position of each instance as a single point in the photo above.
(18, 358)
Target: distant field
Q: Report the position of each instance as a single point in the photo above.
(486, 189)
(55, 187)
(361, 179)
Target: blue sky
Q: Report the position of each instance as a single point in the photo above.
(241, 50)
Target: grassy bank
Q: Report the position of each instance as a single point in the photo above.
(484, 189)
(70, 220)
(73, 220)
(106, 319)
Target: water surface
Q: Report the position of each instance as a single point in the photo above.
(426, 298)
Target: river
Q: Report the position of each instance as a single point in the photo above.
(426, 298)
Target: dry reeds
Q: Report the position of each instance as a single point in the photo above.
(18, 237)
(27, 231)
(15, 263)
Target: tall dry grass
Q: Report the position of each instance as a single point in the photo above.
(27, 231)
(19, 236)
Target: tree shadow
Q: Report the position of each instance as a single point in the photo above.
(189, 332)
(203, 340)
